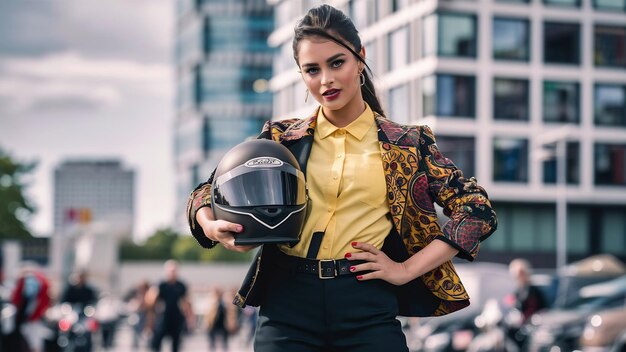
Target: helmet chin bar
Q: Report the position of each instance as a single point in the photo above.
(271, 227)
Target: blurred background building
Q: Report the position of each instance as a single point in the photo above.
(93, 212)
(93, 190)
(498, 81)
(223, 65)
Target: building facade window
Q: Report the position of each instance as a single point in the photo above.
(283, 58)
(397, 5)
(225, 132)
(561, 101)
(610, 164)
(614, 231)
(523, 228)
(561, 43)
(510, 99)
(449, 95)
(450, 34)
(610, 105)
(610, 5)
(399, 109)
(511, 39)
(461, 150)
(564, 3)
(371, 55)
(399, 48)
(609, 46)
(572, 165)
(510, 159)
(363, 12)
(232, 84)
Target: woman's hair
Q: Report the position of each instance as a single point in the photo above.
(328, 22)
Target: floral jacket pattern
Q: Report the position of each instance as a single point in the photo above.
(417, 176)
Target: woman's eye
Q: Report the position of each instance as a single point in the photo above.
(312, 70)
(337, 63)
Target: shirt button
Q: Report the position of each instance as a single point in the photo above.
(342, 132)
(335, 177)
(330, 210)
(339, 156)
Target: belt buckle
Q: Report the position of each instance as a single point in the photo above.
(321, 272)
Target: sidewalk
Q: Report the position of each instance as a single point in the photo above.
(195, 342)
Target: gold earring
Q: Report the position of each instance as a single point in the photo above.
(306, 96)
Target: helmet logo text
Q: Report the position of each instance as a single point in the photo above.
(264, 161)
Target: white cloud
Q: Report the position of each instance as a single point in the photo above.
(70, 81)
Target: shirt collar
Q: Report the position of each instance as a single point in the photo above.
(358, 128)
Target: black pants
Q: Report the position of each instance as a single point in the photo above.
(173, 332)
(303, 313)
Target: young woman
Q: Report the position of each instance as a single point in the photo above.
(372, 222)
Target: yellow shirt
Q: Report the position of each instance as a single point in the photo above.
(347, 190)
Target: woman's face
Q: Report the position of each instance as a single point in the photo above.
(331, 73)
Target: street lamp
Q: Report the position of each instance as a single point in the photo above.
(558, 137)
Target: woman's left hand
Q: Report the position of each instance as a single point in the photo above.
(379, 265)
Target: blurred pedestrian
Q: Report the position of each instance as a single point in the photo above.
(108, 312)
(371, 247)
(79, 292)
(31, 301)
(528, 298)
(221, 319)
(138, 309)
(172, 308)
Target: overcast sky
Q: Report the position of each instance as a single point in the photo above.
(90, 79)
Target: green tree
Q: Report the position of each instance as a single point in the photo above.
(221, 254)
(15, 208)
(157, 247)
(186, 249)
(168, 244)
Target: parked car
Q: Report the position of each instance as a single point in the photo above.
(563, 326)
(602, 330)
(454, 332)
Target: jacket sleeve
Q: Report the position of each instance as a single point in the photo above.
(471, 218)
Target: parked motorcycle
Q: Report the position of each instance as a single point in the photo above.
(74, 327)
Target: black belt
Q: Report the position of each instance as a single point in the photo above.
(323, 268)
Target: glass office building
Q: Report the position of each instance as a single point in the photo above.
(495, 79)
(223, 65)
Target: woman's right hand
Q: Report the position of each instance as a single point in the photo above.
(220, 230)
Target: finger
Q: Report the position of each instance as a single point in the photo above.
(226, 237)
(366, 256)
(225, 226)
(369, 276)
(365, 247)
(364, 267)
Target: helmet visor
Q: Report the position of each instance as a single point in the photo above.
(264, 187)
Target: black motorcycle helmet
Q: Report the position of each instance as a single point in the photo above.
(259, 185)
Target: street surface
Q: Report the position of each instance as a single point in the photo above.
(195, 342)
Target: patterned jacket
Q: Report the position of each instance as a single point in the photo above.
(417, 176)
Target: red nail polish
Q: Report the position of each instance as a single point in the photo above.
(353, 244)
(348, 255)
(352, 268)
(359, 277)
